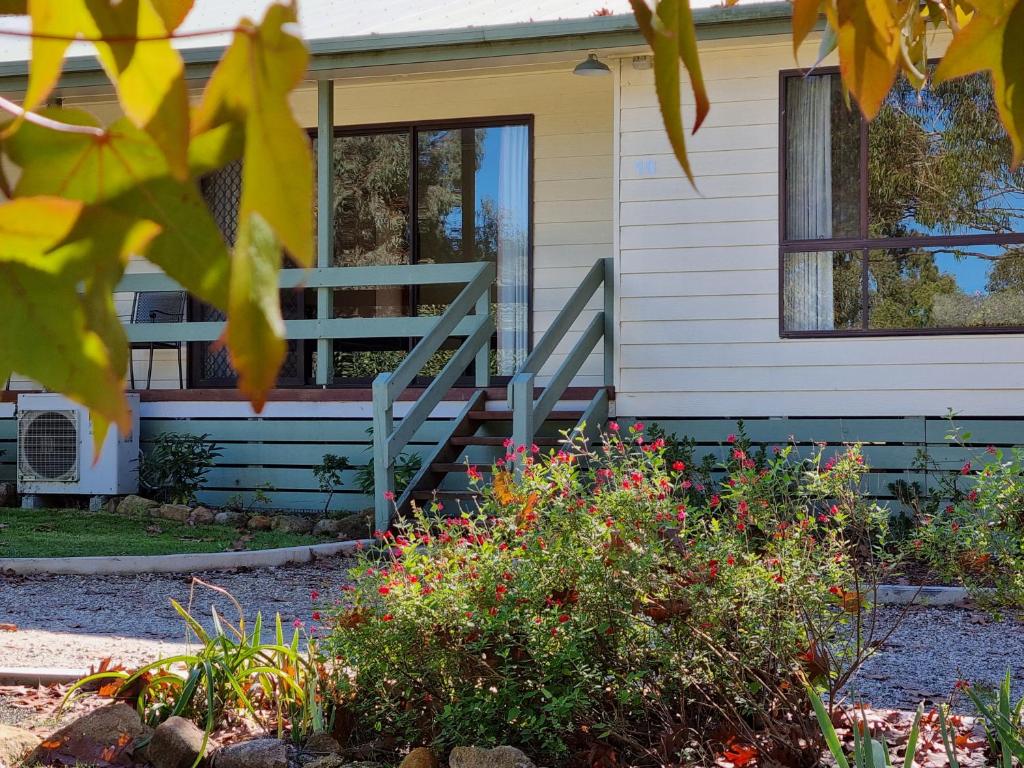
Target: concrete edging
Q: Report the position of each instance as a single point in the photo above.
(929, 597)
(181, 563)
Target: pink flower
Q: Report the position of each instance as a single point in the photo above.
(314, 595)
(297, 623)
(638, 427)
(389, 495)
(613, 426)
(474, 473)
(715, 501)
(507, 442)
(965, 469)
(730, 439)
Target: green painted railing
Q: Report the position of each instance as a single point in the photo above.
(389, 440)
(322, 328)
(528, 413)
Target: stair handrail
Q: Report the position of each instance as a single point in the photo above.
(527, 413)
(389, 441)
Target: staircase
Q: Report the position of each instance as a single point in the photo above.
(478, 440)
(522, 412)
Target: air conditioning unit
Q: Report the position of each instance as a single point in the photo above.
(55, 450)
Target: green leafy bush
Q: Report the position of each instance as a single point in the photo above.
(595, 604)
(977, 538)
(174, 468)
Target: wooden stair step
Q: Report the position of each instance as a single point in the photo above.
(441, 467)
(507, 416)
(445, 495)
(500, 441)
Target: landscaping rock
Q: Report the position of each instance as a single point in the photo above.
(176, 743)
(260, 523)
(292, 524)
(339, 761)
(15, 743)
(357, 526)
(134, 506)
(201, 516)
(421, 757)
(499, 757)
(322, 743)
(177, 512)
(259, 753)
(8, 495)
(328, 527)
(111, 730)
(229, 518)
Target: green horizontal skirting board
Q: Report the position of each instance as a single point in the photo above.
(282, 451)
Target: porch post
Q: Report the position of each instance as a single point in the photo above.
(609, 322)
(522, 415)
(383, 469)
(324, 218)
(483, 357)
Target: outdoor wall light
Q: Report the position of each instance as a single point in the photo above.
(592, 67)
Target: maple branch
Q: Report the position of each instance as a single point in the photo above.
(121, 38)
(7, 105)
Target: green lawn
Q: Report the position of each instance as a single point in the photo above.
(75, 533)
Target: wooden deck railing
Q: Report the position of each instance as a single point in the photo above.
(388, 440)
(528, 413)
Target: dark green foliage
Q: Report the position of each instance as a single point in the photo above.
(174, 468)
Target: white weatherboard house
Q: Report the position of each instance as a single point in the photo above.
(499, 222)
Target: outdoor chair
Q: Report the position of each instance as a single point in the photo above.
(157, 307)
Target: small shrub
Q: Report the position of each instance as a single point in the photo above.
(328, 475)
(406, 467)
(174, 469)
(595, 604)
(977, 538)
(230, 675)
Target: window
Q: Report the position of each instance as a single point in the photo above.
(432, 193)
(913, 223)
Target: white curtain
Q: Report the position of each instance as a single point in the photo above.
(513, 242)
(807, 280)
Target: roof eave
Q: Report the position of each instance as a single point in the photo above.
(332, 54)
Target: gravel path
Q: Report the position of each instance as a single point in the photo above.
(932, 648)
(74, 621)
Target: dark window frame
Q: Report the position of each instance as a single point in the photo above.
(412, 128)
(864, 244)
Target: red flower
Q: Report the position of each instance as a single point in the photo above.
(563, 618)
(613, 426)
(383, 590)
(965, 469)
(715, 501)
(316, 615)
(678, 466)
(389, 495)
(741, 527)
(386, 617)
(314, 595)
(730, 439)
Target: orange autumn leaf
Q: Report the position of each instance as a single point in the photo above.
(503, 488)
(739, 754)
(8, 627)
(51, 744)
(109, 690)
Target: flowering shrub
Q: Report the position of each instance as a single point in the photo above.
(977, 539)
(596, 603)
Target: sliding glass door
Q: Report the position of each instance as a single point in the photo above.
(432, 193)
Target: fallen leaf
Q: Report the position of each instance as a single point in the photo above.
(8, 627)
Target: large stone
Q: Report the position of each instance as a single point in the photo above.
(322, 744)
(328, 527)
(8, 495)
(259, 753)
(227, 517)
(176, 743)
(201, 516)
(292, 524)
(340, 761)
(177, 512)
(112, 730)
(499, 757)
(421, 757)
(135, 506)
(260, 523)
(357, 526)
(15, 743)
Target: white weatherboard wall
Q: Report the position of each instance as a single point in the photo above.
(698, 315)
